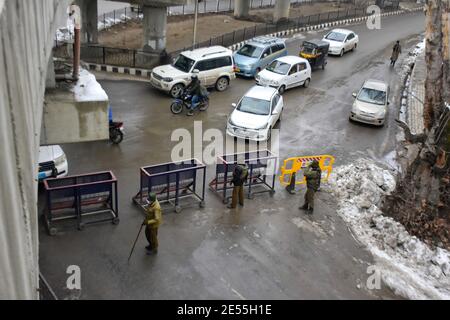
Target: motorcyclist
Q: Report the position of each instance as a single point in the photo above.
(195, 89)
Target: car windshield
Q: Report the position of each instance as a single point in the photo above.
(372, 96)
(254, 106)
(183, 63)
(335, 36)
(308, 48)
(250, 51)
(279, 67)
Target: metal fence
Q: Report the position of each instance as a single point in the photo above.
(237, 36)
(112, 18)
(140, 59)
(215, 6)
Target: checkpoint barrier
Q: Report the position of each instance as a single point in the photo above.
(259, 164)
(87, 198)
(172, 182)
(292, 166)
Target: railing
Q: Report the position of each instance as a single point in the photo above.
(140, 59)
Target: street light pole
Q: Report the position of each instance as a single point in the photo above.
(195, 24)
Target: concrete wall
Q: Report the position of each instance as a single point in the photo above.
(26, 38)
(68, 121)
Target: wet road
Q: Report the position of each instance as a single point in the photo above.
(266, 250)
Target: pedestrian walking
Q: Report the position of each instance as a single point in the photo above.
(240, 176)
(396, 50)
(152, 222)
(313, 175)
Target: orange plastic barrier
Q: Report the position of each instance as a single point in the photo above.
(297, 164)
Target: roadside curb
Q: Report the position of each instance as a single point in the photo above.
(146, 73)
(321, 26)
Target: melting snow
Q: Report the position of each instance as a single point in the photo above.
(88, 89)
(407, 265)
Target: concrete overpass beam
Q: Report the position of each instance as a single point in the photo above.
(89, 17)
(241, 8)
(281, 10)
(155, 24)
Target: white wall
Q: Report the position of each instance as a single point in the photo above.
(26, 38)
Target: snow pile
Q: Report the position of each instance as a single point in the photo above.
(88, 89)
(67, 33)
(407, 265)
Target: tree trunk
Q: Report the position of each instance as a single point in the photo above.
(433, 57)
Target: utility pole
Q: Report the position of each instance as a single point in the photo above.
(195, 24)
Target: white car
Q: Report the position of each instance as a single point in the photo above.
(256, 114)
(341, 41)
(52, 163)
(215, 65)
(371, 103)
(285, 73)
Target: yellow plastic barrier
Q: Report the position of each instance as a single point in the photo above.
(296, 164)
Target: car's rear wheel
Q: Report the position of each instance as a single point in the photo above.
(222, 84)
(176, 90)
(342, 53)
(354, 47)
(282, 89)
(306, 83)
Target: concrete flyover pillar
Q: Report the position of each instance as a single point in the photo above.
(281, 10)
(241, 8)
(89, 19)
(155, 24)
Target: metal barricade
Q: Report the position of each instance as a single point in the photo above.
(85, 198)
(294, 165)
(262, 173)
(172, 182)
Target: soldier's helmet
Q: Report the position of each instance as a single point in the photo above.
(315, 164)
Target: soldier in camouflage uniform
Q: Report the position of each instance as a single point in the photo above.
(313, 175)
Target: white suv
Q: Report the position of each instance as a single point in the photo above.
(215, 65)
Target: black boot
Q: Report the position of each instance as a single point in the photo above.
(304, 207)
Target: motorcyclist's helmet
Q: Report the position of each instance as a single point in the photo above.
(194, 74)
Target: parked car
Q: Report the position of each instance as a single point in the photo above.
(341, 41)
(215, 65)
(52, 162)
(256, 114)
(285, 73)
(256, 54)
(371, 103)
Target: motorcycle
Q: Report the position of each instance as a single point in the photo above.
(184, 101)
(116, 132)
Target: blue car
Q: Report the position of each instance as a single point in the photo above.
(256, 54)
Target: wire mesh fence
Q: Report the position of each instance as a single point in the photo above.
(140, 59)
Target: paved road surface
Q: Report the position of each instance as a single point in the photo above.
(266, 250)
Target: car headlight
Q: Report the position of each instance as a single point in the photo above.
(167, 79)
(263, 127)
(230, 122)
(257, 78)
(274, 83)
(60, 160)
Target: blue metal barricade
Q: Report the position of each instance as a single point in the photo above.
(172, 182)
(262, 173)
(85, 198)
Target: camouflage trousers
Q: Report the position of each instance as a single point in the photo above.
(309, 198)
